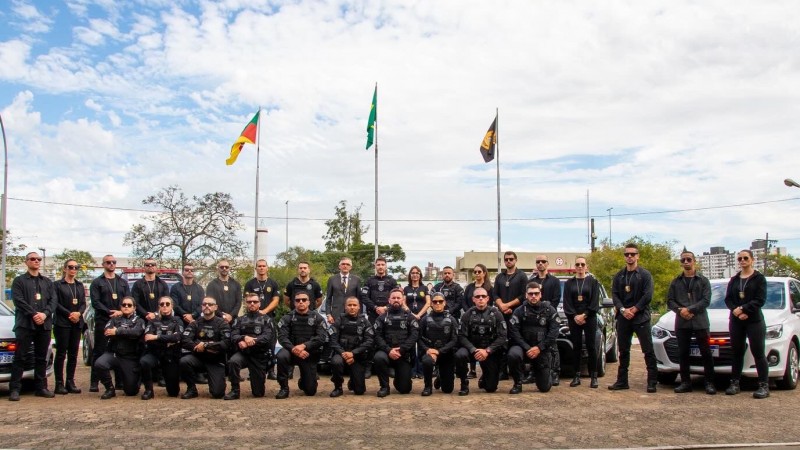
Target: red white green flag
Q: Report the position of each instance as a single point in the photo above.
(248, 136)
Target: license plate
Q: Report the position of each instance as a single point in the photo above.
(695, 351)
(6, 358)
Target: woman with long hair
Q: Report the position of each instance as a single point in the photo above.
(71, 304)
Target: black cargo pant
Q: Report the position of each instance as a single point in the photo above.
(215, 369)
(357, 372)
(490, 368)
(402, 371)
(625, 330)
(257, 366)
(169, 365)
(39, 338)
(446, 363)
(126, 369)
(308, 371)
(539, 365)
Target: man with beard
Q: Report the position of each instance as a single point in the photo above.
(396, 333)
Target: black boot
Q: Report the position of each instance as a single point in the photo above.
(594, 384)
(191, 392)
(683, 388)
(575, 381)
(283, 392)
(72, 388)
(337, 391)
(234, 393)
(109, 393)
(427, 391)
(147, 394)
(556, 379)
(464, 387)
(710, 389)
(94, 386)
(762, 391)
(516, 389)
(383, 391)
(733, 389)
(60, 389)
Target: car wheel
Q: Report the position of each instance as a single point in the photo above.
(667, 377)
(789, 379)
(87, 351)
(611, 354)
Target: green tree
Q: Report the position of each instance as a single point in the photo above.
(188, 231)
(84, 259)
(345, 229)
(782, 266)
(660, 259)
(15, 257)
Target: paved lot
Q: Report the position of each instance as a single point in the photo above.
(564, 418)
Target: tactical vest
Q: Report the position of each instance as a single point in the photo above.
(533, 324)
(164, 327)
(437, 333)
(396, 328)
(377, 290)
(482, 327)
(252, 326)
(351, 332)
(208, 331)
(125, 347)
(302, 328)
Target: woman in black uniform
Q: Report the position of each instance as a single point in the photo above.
(581, 304)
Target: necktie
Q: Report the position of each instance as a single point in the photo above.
(344, 282)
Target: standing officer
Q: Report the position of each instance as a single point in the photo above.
(253, 337)
(452, 291)
(265, 287)
(124, 335)
(688, 297)
(632, 292)
(301, 333)
(438, 340)
(351, 342)
(581, 305)
(68, 327)
(105, 292)
(303, 282)
(162, 338)
(375, 293)
(226, 291)
(35, 303)
(148, 290)
(207, 339)
(533, 331)
(187, 296)
(396, 334)
(339, 288)
(483, 337)
(509, 293)
(551, 293)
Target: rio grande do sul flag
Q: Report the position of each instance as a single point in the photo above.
(248, 136)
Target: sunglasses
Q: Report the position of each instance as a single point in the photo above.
(72, 267)
(580, 264)
(149, 264)
(477, 271)
(109, 262)
(437, 302)
(508, 259)
(683, 260)
(35, 259)
(414, 273)
(533, 293)
(208, 304)
(743, 258)
(541, 261)
(223, 267)
(480, 296)
(301, 300)
(188, 270)
(252, 301)
(630, 254)
(165, 304)
(127, 305)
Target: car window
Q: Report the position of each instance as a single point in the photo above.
(794, 292)
(5, 310)
(776, 295)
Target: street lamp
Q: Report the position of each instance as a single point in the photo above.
(287, 226)
(791, 183)
(609, 225)
(3, 213)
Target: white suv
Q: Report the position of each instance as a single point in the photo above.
(781, 314)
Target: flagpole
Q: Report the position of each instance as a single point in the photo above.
(258, 163)
(497, 160)
(376, 174)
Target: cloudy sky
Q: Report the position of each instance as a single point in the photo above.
(682, 116)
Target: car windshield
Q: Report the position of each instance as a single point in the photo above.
(5, 310)
(775, 295)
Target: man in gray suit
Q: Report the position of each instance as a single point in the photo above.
(339, 288)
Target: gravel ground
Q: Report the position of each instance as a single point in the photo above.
(563, 418)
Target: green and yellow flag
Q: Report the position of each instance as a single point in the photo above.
(248, 136)
(373, 117)
(489, 142)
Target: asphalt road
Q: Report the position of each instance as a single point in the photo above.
(565, 417)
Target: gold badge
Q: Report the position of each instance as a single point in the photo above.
(741, 295)
(74, 301)
(627, 288)
(152, 296)
(269, 289)
(225, 288)
(189, 297)
(580, 298)
(38, 296)
(114, 296)
(202, 333)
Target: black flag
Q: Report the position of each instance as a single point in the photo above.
(489, 142)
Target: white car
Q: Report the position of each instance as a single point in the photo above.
(781, 314)
(8, 344)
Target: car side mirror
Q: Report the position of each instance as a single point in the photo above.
(796, 307)
(607, 303)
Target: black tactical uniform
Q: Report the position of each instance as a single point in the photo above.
(551, 293)
(105, 295)
(266, 291)
(122, 355)
(295, 329)
(532, 326)
(481, 330)
(395, 328)
(215, 334)
(438, 331)
(32, 295)
(146, 293)
(453, 296)
(187, 299)
(256, 358)
(375, 293)
(164, 353)
(355, 335)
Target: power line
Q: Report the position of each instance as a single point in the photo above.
(512, 219)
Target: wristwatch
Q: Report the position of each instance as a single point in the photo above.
(622, 310)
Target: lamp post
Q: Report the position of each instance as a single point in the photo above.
(791, 183)
(3, 203)
(287, 226)
(609, 225)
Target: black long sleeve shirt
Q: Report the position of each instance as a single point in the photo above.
(71, 298)
(32, 295)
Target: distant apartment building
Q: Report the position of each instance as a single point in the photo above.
(721, 263)
(431, 272)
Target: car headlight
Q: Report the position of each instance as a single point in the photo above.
(775, 331)
(660, 333)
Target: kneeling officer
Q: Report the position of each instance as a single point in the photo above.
(533, 330)
(254, 337)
